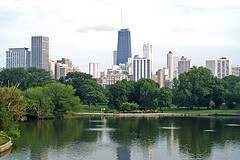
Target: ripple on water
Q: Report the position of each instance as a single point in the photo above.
(169, 127)
(98, 121)
(101, 129)
(233, 125)
(209, 130)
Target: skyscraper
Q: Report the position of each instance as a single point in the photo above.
(175, 66)
(212, 65)
(114, 57)
(170, 65)
(141, 68)
(147, 53)
(184, 65)
(18, 57)
(124, 50)
(224, 67)
(40, 52)
(94, 69)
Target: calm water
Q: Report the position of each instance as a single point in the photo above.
(115, 138)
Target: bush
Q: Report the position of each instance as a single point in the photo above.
(128, 106)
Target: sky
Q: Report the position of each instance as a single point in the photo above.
(87, 30)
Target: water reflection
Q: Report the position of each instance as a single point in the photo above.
(129, 138)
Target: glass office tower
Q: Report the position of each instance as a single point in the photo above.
(124, 50)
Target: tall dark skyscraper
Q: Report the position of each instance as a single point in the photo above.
(124, 50)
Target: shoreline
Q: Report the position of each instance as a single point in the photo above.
(157, 114)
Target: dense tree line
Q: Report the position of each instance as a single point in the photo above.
(145, 93)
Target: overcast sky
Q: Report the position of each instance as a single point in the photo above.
(86, 30)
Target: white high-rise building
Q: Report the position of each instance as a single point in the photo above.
(141, 68)
(224, 67)
(94, 69)
(18, 57)
(170, 65)
(236, 70)
(40, 52)
(175, 66)
(212, 65)
(147, 53)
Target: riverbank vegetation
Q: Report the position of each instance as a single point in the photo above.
(33, 93)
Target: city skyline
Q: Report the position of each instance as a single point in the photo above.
(198, 30)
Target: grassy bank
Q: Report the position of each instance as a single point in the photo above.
(202, 110)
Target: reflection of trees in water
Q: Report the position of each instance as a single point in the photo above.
(40, 135)
(144, 131)
(196, 142)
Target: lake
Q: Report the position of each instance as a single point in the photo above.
(125, 138)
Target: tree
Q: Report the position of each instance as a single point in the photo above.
(145, 93)
(94, 97)
(62, 97)
(193, 88)
(38, 103)
(83, 84)
(165, 97)
(117, 95)
(12, 110)
(32, 77)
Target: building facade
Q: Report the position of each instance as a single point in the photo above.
(124, 50)
(175, 66)
(170, 65)
(18, 57)
(184, 65)
(141, 68)
(212, 65)
(114, 57)
(224, 67)
(94, 69)
(40, 52)
(236, 70)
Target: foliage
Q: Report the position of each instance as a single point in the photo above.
(62, 97)
(145, 93)
(32, 77)
(117, 95)
(53, 100)
(165, 97)
(87, 88)
(128, 106)
(197, 87)
(39, 104)
(12, 110)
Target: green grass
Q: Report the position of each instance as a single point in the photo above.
(3, 140)
(222, 110)
(174, 109)
(94, 109)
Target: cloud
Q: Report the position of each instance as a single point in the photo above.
(99, 28)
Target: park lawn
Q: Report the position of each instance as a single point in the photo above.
(3, 140)
(202, 110)
(94, 109)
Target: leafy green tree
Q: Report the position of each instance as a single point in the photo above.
(165, 97)
(12, 110)
(145, 93)
(32, 77)
(39, 104)
(193, 88)
(62, 97)
(84, 84)
(117, 95)
(94, 97)
(126, 106)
